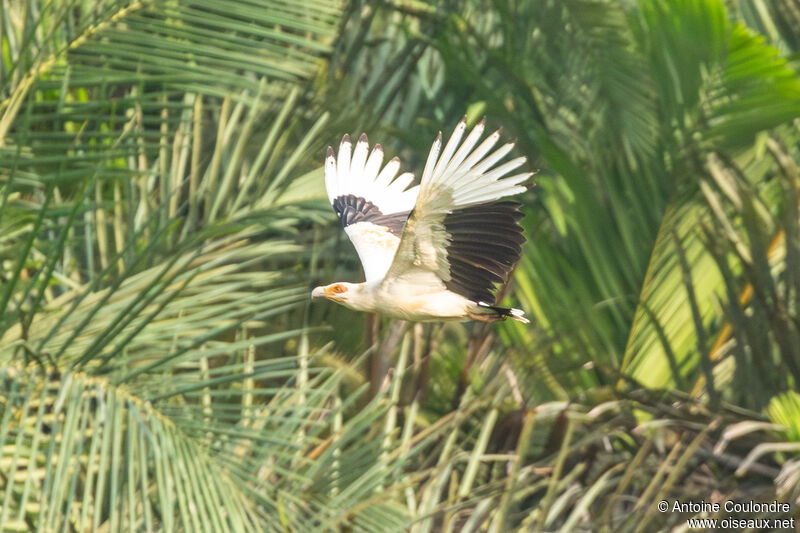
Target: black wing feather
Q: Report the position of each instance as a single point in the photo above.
(352, 209)
(483, 247)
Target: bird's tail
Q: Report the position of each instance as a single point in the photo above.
(491, 313)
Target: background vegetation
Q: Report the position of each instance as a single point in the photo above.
(163, 217)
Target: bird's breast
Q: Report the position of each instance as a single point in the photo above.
(409, 304)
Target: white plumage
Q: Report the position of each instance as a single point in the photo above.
(436, 250)
(363, 177)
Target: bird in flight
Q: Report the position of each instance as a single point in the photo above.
(433, 251)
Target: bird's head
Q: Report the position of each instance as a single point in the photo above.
(339, 292)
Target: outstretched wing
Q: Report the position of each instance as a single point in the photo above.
(371, 202)
(459, 236)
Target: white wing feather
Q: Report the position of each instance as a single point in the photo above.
(359, 176)
(460, 177)
(352, 172)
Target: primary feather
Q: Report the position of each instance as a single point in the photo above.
(372, 204)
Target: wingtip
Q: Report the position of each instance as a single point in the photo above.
(531, 184)
(329, 152)
(363, 138)
(345, 140)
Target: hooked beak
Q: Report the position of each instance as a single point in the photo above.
(318, 292)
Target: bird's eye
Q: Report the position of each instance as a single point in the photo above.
(338, 289)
